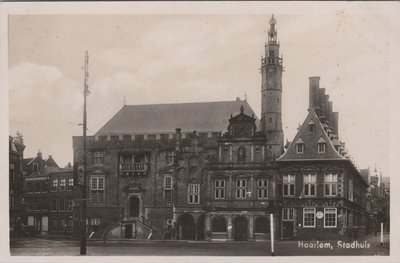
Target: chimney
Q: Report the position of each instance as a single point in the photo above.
(327, 107)
(178, 148)
(39, 154)
(330, 117)
(313, 93)
(335, 122)
(322, 106)
(195, 142)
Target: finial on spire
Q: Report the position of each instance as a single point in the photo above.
(241, 109)
(272, 21)
(245, 95)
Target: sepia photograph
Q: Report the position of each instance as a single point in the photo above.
(183, 131)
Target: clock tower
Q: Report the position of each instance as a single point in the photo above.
(271, 93)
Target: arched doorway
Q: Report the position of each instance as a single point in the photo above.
(240, 228)
(134, 206)
(187, 228)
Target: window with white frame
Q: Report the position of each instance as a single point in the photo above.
(70, 183)
(97, 191)
(310, 182)
(95, 221)
(351, 189)
(300, 148)
(98, 158)
(35, 167)
(321, 147)
(62, 184)
(309, 217)
(288, 184)
(170, 157)
(262, 188)
(330, 217)
(54, 185)
(331, 181)
(241, 185)
(168, 188)
(194, 194)
(288, 214)
(219, 189)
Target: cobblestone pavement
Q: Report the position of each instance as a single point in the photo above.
(51, 247)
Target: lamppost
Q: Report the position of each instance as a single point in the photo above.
(83, 201)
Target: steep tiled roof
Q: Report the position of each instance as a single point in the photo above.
(310, 141)
(157, 118)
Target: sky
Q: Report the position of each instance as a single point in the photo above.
(172, 58)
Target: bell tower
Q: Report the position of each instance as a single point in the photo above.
(271, 93)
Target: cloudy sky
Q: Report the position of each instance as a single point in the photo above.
(168, 58)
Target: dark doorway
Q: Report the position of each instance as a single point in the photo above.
(240, 225)
(200, 227)
(187, 227)
(128, 230)
(287, 229)
(134, 205)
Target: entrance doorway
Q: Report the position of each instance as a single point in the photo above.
(128, 230)
(240, 225)
(187, 227)
(45, 224)
(287, 229)
(134, 206)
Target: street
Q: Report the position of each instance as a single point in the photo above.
(47, 247)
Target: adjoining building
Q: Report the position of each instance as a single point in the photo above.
(16, 208)
(323, 194)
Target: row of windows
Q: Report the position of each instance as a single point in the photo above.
(163, 136)
(62, 225)
(309, 215)
(310, 183)
(62, 184)
(219, 190)
(300, 147)
(61, 205)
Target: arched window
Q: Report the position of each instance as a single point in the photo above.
(241, 154)
(261, 225)
(218, 224)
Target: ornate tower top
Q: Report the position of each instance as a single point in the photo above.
(272, 34)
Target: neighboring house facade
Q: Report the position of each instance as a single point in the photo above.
(16, 207)
(35, 193)
(62, 199)
(323, 194)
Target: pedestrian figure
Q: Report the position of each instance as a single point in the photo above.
(167, 235)
(173, 232)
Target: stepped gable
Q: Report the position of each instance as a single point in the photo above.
(310, 141)
(198, 116)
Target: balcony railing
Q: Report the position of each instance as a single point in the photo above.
(133, 167)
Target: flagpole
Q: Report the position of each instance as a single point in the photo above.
(83, 202)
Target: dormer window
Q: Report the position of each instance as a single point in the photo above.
(321, 145)
(311, 126)
(35, 167)
(300, 146)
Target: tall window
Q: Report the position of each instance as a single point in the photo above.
(287, 214)
(300, 147)
(309, 217)
(54, 184)
(219, 189)
(11, 172)
(54, 205)
(310, 180)
(194, 194)
(35, 167)
(61, 205)
(330, 215)
(351, 189)
(168, 190)
(97, 191)
(331, 181)
(241, 185)
(62, 184)
(288, 185)
(98, 158)
(262, 189)
(70, 204)
(70, 183)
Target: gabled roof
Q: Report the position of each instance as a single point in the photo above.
(310, 140)
(165, 118)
